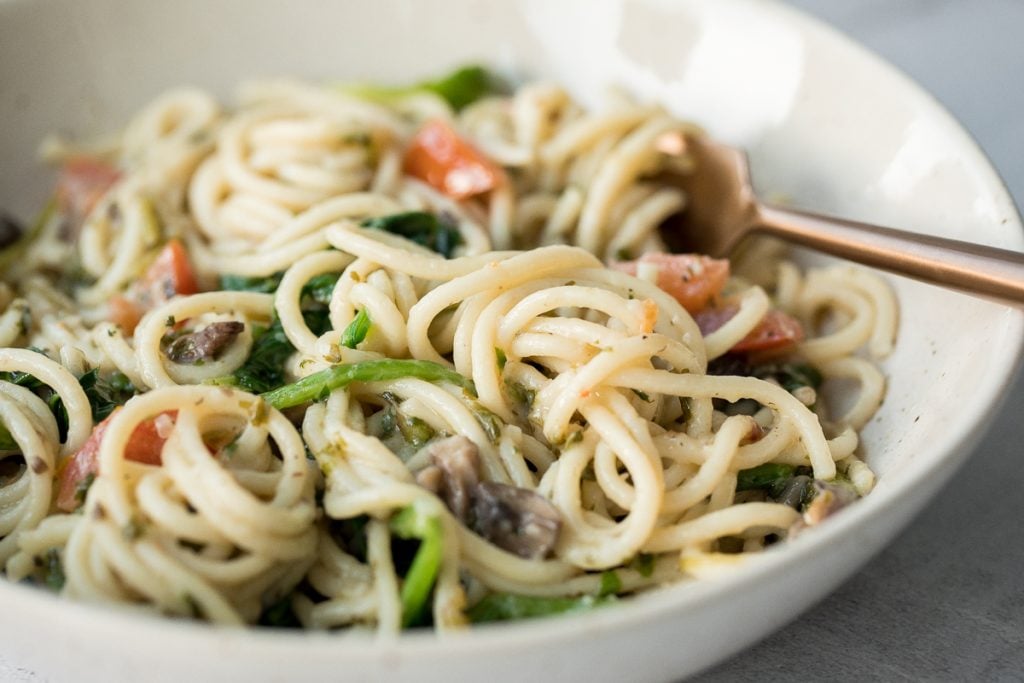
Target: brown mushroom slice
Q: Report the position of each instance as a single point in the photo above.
(828, 499)
(204, 345)
(458, 462)
(516, 519)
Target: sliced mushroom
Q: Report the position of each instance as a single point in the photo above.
(206, 344)
(829, 498)
(516, 519)
(458, 461)
(432, 479)
(795, 491)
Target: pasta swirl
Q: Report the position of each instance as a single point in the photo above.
(348, 358)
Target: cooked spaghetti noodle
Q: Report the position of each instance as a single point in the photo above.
(356, 358)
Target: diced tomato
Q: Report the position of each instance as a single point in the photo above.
(145, 445)
(170, 274)
(776, 331)
(439, 157)
(694, 280)
(82, 183)
(124, 312)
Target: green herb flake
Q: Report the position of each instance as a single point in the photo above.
(133, 529)
(792, 376)
(191, 604)
(355, 332)
(611, 584)
(105, 393)
(264, 369)
(426, 229)
(53, 575)
(522, 396)
(490, 422)
(320, 288)
(643, 564)
(82, 489)
(766, 476)
(241, 283)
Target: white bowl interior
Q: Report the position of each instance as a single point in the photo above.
(828, 126)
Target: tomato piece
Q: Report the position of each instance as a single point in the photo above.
(442, 159)
(145, 445)
(124, 312)
(777, 330)
(693, 279)
(170, 274)
(82, 183)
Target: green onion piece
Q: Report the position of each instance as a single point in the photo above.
(459, 88)
(355, 332)
(414, 522)
(320, 384)
(792, 376)
(763, 476)
(509, 606)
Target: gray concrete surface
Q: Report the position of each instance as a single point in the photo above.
(945, 602)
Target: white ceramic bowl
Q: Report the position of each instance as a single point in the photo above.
(827, 125)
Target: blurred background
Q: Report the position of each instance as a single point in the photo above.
(945, 602)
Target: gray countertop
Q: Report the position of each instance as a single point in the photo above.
(945, 602)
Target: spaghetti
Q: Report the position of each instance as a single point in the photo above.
(353, 357)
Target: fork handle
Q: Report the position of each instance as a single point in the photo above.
(972, 268)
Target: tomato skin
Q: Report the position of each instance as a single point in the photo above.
(443, 160)
(144, 445)
(82, 183)
(170, 274)
(693, 280)
(124, 313)
(776, 331)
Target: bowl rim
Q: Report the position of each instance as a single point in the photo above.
(663, 602)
